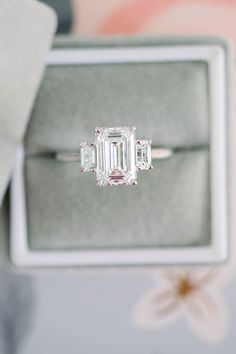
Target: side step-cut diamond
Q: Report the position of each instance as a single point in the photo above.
(88, 157)
(143, 155)
(116, 160)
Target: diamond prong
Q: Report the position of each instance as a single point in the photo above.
(151, 167)
(100, 184)
(97, 130)
(82, 169)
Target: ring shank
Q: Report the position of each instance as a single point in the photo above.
(74, 156)
(68, 156)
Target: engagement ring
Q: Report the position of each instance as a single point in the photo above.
(115, 156)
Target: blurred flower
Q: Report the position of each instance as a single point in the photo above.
(156, 17)
(191, 294)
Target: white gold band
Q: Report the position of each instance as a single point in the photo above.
(74, 156)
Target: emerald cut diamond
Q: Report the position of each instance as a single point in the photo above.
(116, 156)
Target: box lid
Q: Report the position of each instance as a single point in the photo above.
(24, 43)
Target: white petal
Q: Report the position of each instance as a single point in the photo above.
(207, 315)
(157, 308)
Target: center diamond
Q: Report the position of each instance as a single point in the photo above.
(116, 156)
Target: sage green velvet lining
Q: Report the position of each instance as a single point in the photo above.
(169, 207)
(167, 102)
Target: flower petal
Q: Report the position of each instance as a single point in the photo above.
(207, 316)
(156, 308)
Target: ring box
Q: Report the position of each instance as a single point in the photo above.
(177, 93)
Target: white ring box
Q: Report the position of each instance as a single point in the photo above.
(217, 251)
